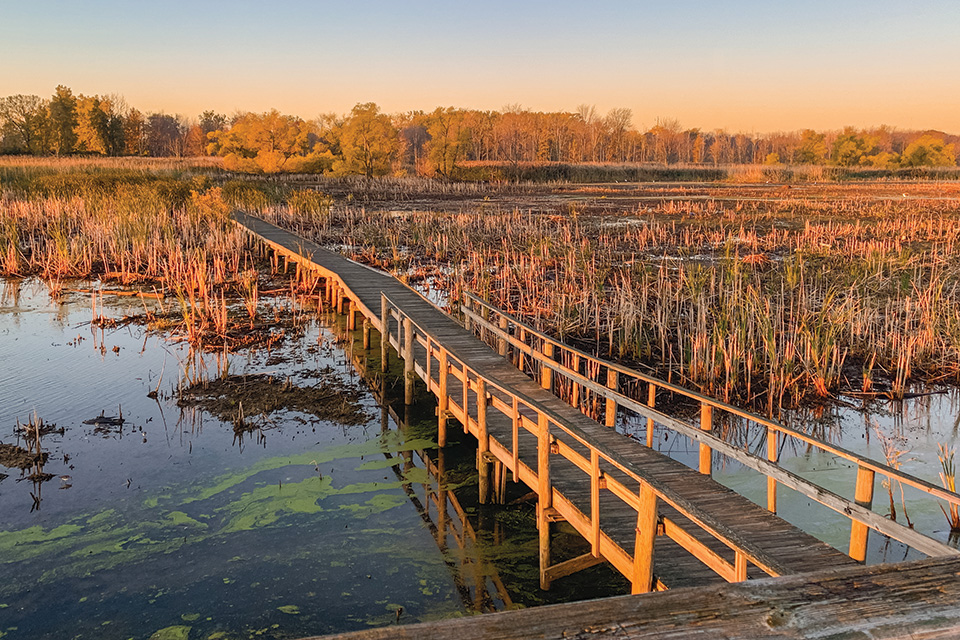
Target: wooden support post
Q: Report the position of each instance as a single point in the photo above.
(545, 496)
(466, 319)
(408, 373)
(610, 415)
(772, 446)
(546, 373)
(351, 315)
(483, 440)
(338, 294)
(444, 400)
(384, 334)
(328, 290)
(858, 530)
(651, 402)
(516, 437)
(706, 424)
(466, 399)
(366, 333)
(502, 344)
(520, 354)
(595, 502)
(646, 535)
(740, 566)
(575, 392)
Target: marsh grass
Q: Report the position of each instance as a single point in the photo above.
(767, 303)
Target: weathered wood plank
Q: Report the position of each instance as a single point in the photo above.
(915, 600)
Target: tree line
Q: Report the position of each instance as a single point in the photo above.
(436, 143)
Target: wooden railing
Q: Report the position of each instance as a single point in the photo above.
(606, 470)
(550, 355)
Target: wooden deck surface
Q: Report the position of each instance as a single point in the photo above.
(795, 551)
(915, 600)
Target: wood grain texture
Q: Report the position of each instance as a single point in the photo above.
(917, 600)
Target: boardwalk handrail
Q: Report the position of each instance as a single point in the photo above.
(548, 426)
(859, 511)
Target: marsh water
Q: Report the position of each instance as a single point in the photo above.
(153, 517)
(170, 524)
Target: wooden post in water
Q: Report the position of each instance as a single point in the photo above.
(444, 400)
(483, 440)
(610, 414)
(384, 334)
(338, 295)
(546, 373)
(646, 535)
(651, 402)
(366, 333)
(772, 445)
(858, 530)
(545, 496)
(706, 424)
(351, 315)
(408, 373)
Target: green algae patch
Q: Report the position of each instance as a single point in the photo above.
(177, 518)
(291, 609)
(377, 504)
(33, 541)
(176, 632)
(190, 617)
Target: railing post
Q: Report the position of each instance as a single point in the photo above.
(502, 344)
(645, 537)
(610, 414)
(408, 373)
(772, 447)
(740, 566)
(466, 319)
(546, 373)
(466, 398)
(595, 502)
(859, 532)
(651, 402)
(706, 424)
(444, 400)
(516, 437)
(545, 496)
(384, 334)
(575, 391)
(483, 440)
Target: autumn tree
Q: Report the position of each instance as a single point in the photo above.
(93, 126)
(23, 120)
(164, 135)
(449, 139)
(134, 133)
(62, 117)
(852, 148)
(368, 141)
(929, 151)
(812, 148)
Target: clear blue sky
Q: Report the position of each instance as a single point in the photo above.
(755, 66)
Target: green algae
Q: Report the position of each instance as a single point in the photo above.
(176, 632)
(291, 609)
(190, 617)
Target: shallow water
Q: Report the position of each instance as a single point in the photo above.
(169, 523)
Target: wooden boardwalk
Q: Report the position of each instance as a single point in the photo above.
(656, 521)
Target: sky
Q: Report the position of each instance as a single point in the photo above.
(754, 66)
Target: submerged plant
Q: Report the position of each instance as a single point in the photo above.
(949, 479)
